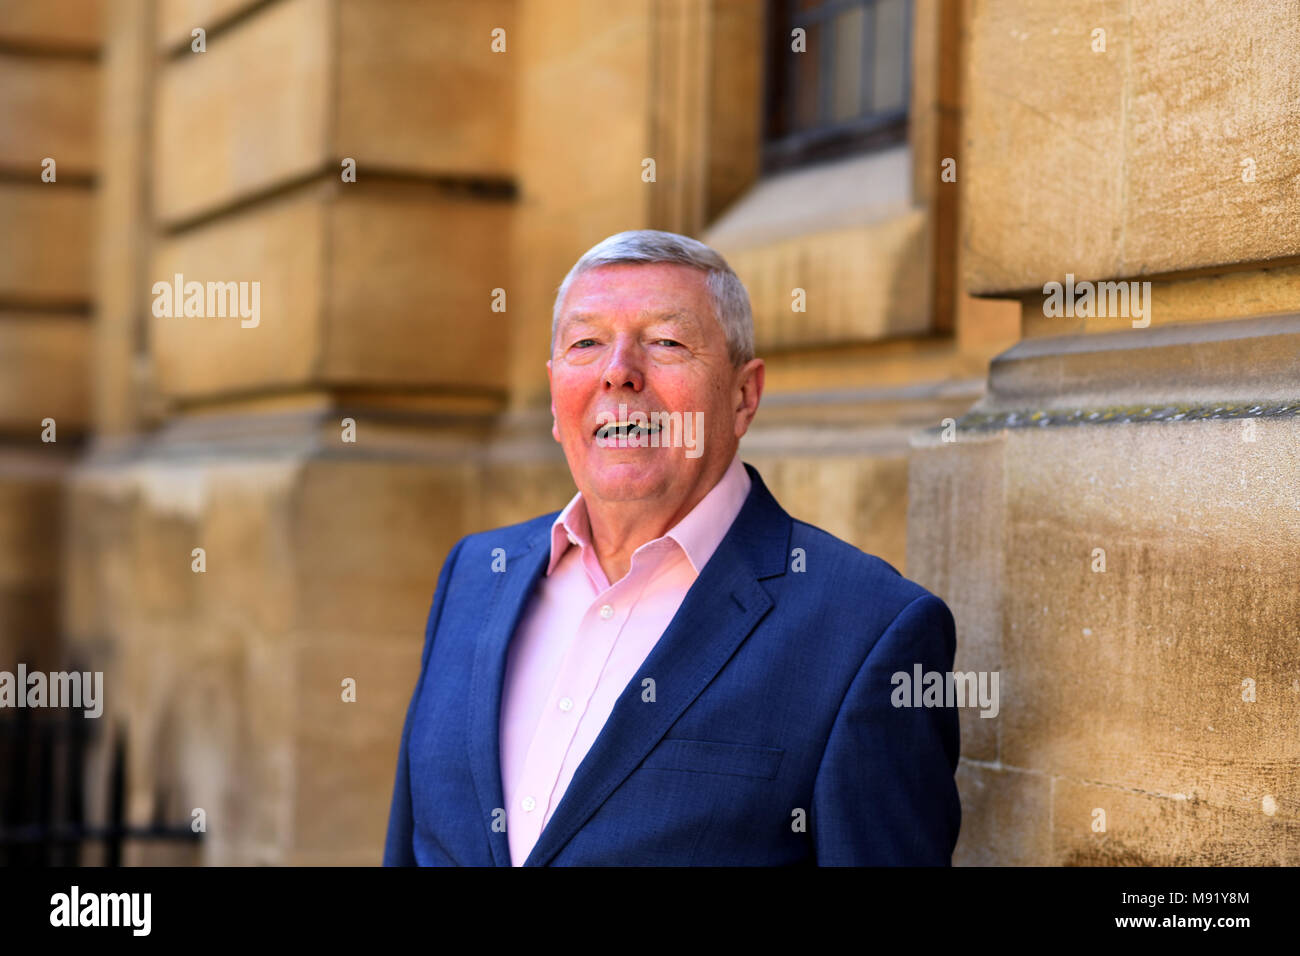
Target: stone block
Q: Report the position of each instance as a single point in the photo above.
(861, 283)
(250, 113)
(1044, 157)
(369, 541)
(175, 19)
(1168, 151)
(56, 24)
(354, 288)
(45, 233)
(1152, 829)
(292, 89)
(1006, 817)
(48, 108)
(1173, 670)
(956, 515)
(44, 373)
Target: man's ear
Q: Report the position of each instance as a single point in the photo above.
(750, 384)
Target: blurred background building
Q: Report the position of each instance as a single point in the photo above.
(1111, 512)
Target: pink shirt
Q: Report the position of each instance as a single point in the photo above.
(581, 640)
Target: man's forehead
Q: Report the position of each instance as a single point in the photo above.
(654, 286)
(676, 314)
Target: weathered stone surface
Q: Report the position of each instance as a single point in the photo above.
(229, 679)
(1152, 829)
(30, 521)
(849, 235)
(861, 283)
(955, 545)
(1212, 298)
(175, 19)
(1129, 162)
(58, 24)
(1184, 367)
(322, 557)
(44, 373)
(370, 540)
(293, 89)
(1210, 86)
(250, 113)
(575, 188)
(31, 526)
(48, 108)
(355, 288)
(281, 247)
(394, 55)
(1134, 677)
(409, 290)
(1044, 133)
(45, 231)
(123, 235)
(346, 752)
(1006, 816)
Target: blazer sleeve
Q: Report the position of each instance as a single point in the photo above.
(399, 847)
(885, 794)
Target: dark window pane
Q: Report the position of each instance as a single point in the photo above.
(848, 92)
(846, 70)
(890, 81)
(807, 86)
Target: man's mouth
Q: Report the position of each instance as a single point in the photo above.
(624, 431)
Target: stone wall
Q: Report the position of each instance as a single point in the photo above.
(1159, 694)
(1115, 523)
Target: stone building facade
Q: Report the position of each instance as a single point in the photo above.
(391, 396)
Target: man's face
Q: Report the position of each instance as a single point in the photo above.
(644, 337)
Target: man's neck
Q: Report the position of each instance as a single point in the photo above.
(618, 528)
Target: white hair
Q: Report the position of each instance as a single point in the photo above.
(648, 246)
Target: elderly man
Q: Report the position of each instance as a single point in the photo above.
(671, 670)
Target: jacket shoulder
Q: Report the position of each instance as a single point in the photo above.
(849, 570)
(509, 537)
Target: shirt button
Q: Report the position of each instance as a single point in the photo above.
(529, 804)
(607, 612)
(566, 703)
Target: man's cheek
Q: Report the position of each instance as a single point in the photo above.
(568, 419)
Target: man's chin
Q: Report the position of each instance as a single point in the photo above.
(627, 476)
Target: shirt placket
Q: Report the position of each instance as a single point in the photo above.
(571, 694)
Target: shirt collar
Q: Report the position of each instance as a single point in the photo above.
(698, 534)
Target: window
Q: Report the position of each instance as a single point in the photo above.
(848, 92)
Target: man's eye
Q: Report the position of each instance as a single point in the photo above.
(668, 341)
(583, 342)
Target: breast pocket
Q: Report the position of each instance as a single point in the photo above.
(714, 756)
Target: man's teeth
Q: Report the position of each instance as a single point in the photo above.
(625, 429)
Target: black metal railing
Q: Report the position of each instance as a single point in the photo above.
(43, 781)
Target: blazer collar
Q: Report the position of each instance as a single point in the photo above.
(719, 611)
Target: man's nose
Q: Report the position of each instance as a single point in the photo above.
(624, 368)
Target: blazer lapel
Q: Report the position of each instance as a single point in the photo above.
(720, 610)
(506, 598)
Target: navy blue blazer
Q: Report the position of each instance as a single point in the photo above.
(771, 738)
